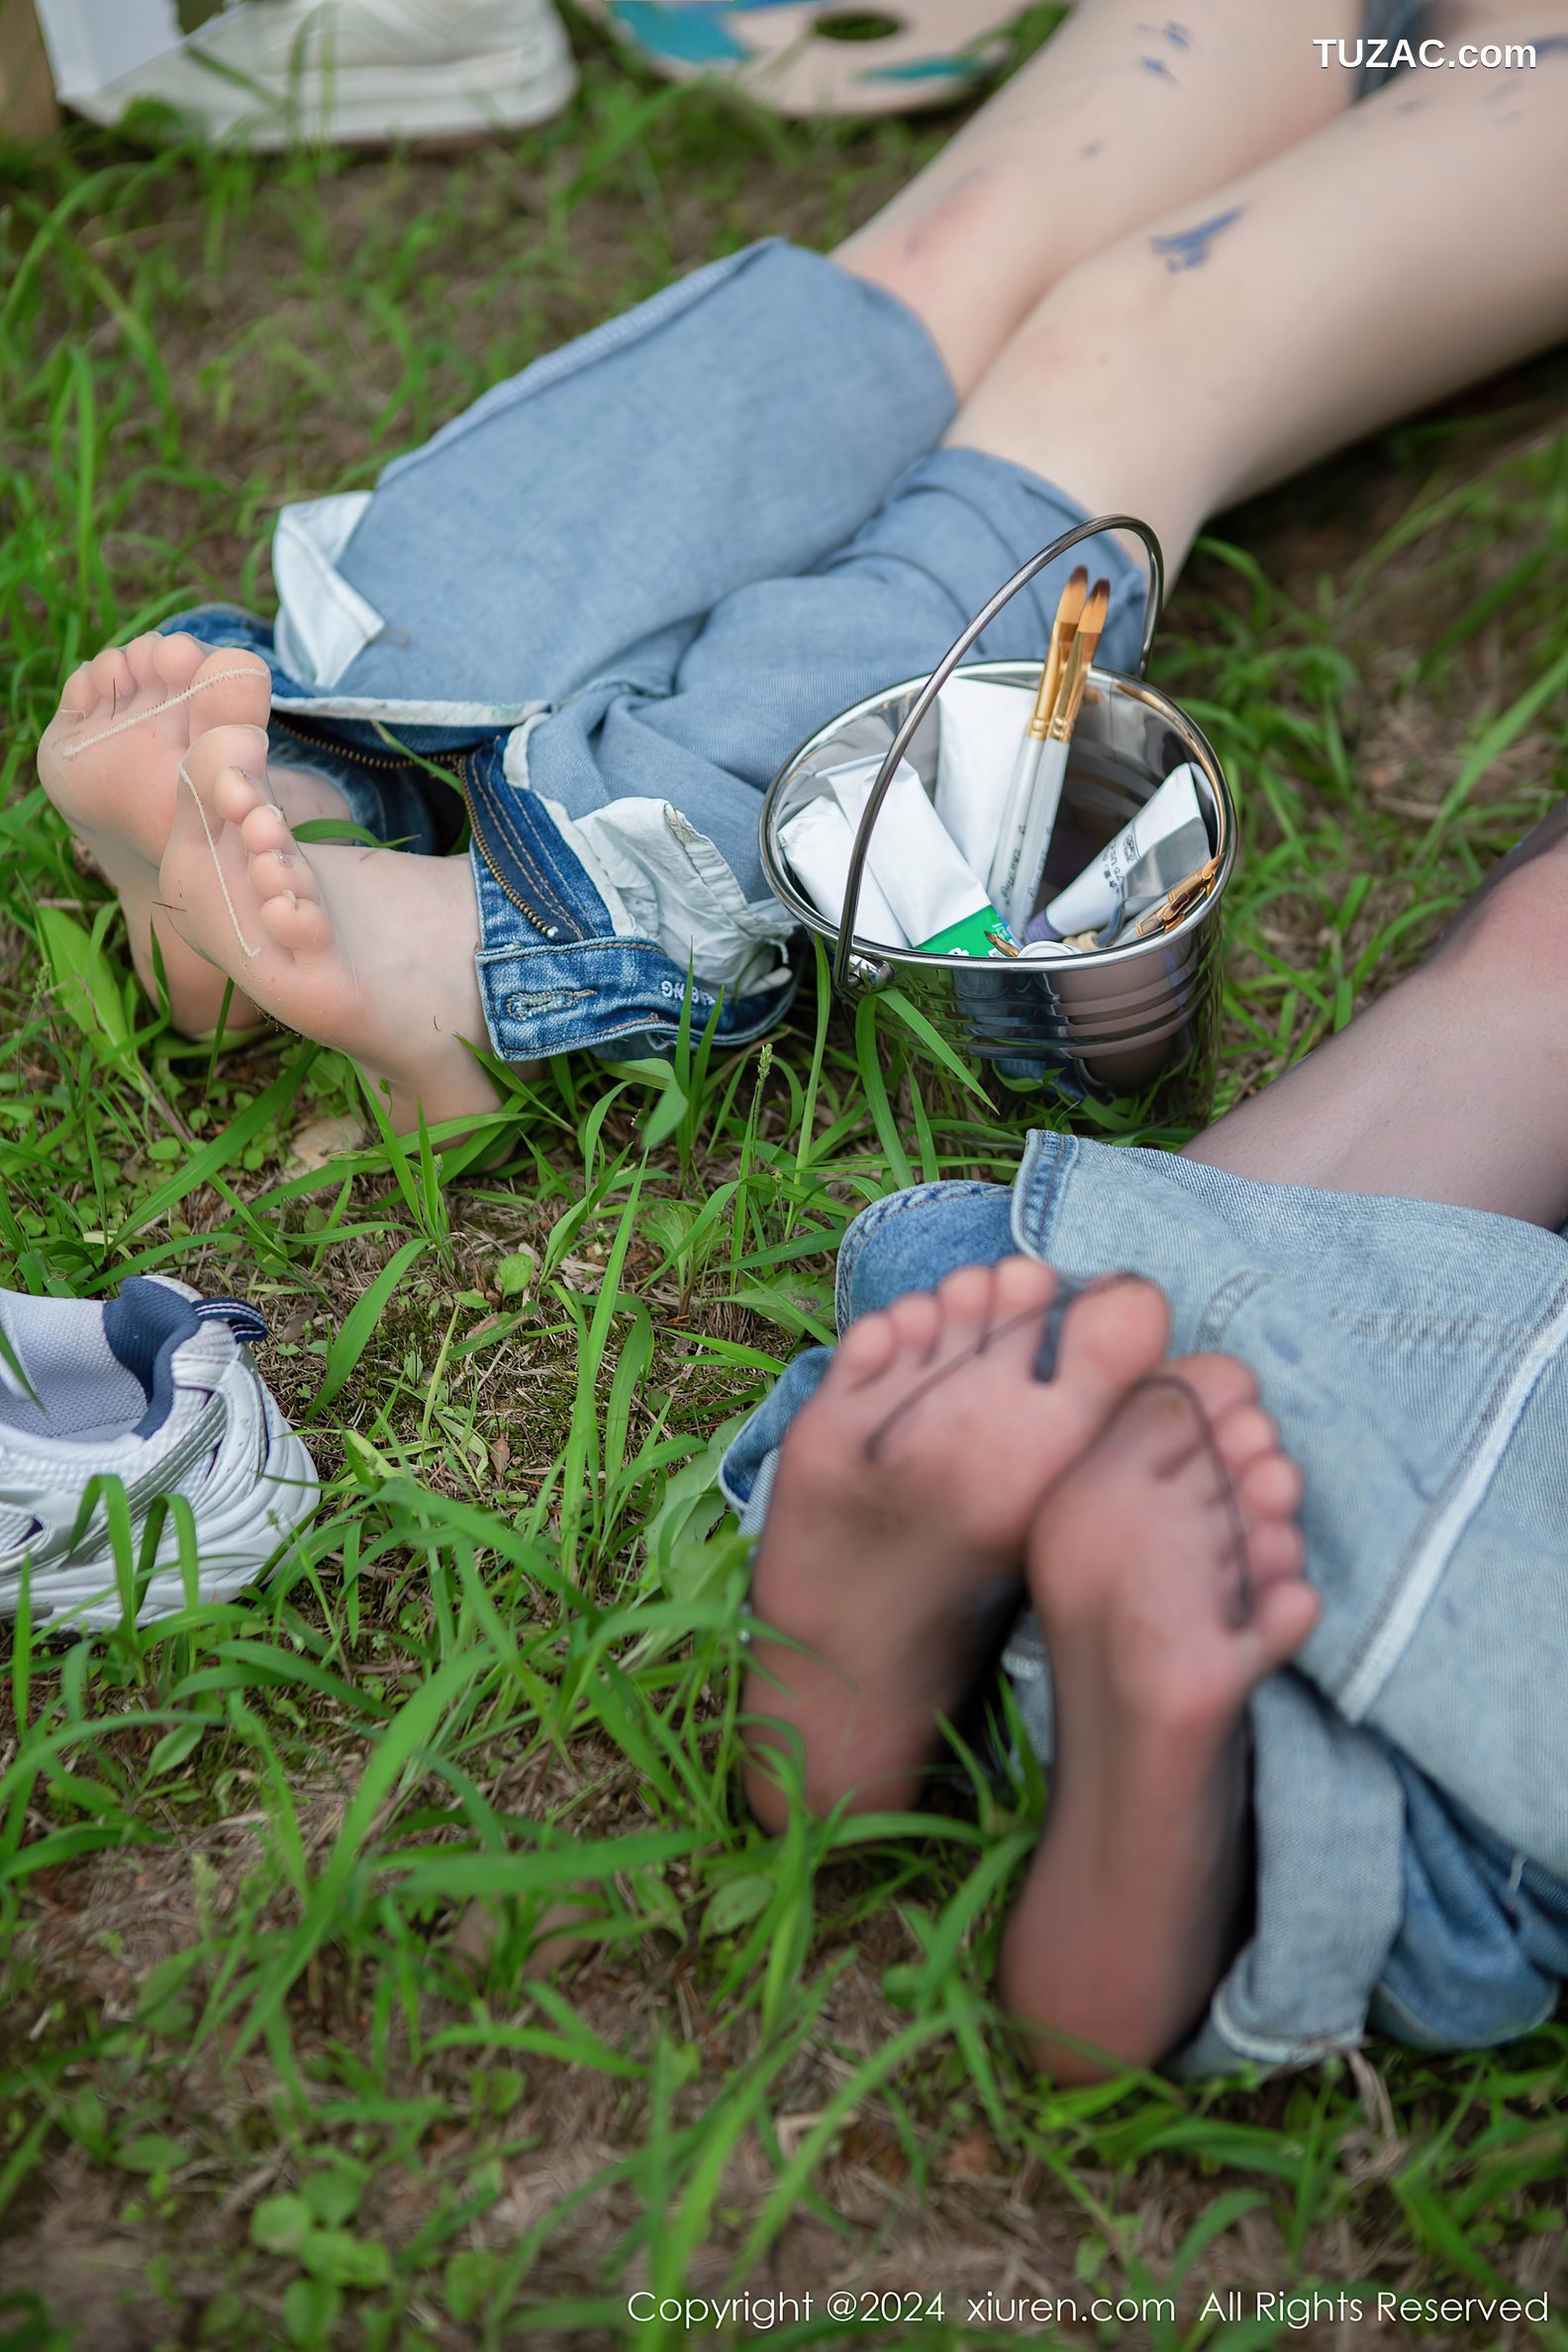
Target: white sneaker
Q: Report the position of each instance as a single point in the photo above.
(156, 1388)
(354, 71)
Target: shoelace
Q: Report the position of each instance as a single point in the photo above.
(245, 1322)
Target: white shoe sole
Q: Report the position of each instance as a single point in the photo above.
(232, 1552)
(365, 105)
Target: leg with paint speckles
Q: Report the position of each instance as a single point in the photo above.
(1350, 281)
(1130, 109)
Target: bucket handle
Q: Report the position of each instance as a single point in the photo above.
(850, 971)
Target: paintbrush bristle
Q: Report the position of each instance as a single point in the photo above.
(1069, 609)
(1093, 621)
(1084, 645)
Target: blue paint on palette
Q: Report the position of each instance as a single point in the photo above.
(693, 34)
(1188, 249)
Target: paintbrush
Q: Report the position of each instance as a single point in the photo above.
(1049, 761)
(1177, 903)
(1009, 840)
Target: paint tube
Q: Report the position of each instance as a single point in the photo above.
(818, 844)
(933, 892)
(982, 728)
(1166, 842)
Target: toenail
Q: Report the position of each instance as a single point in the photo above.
(275, 811)
(292, 900)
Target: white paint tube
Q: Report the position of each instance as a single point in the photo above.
(933, 892)
(1168, 831)
(819, 842)
(982, 729)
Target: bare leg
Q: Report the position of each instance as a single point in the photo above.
(1119, 117)
(1451, 1087)
(1351, 279)
(1166, 1568)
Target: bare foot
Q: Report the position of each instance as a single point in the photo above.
(367, 951)
(1166, 1568)
(110, 761)
(895, 1534)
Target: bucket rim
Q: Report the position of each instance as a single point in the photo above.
(1011, 672)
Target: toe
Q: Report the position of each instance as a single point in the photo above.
(230, 687)
(867, 1347)
(112, 677)
(79, 695)
(916, 1321)
(177, 658)
(265, 832)
(1275, 1548)
(1285, 1615)
(279, 873)
(224, 767)
(1022, 1291)
(1270, 1488)
(967, 1301)
(1243, 1437)
(1112, 1335)
(1224, 1384)
(298, 923)
(141, 660)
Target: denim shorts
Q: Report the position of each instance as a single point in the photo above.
(612, 599)
(1410, 1767)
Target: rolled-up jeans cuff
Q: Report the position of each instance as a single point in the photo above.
(552, 982)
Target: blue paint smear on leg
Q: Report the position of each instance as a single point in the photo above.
(1158, 67)
(1178, 36)
(1188, 249)
(1552, 46)
(927, 69)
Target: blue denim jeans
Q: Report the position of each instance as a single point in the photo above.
(1410, 1767)
(616, 594)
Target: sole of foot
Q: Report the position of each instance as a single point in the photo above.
(370, 951)
(895, 1535)
(109, 762)
(1167, 1571)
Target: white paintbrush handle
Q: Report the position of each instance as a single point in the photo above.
(1039, 826)
(1009, 841)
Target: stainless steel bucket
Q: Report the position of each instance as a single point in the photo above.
(1139, 1021)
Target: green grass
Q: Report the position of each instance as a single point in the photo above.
(390, 1959)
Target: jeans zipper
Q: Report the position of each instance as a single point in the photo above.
(370, 759)
(550, 930)
(460, 765)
